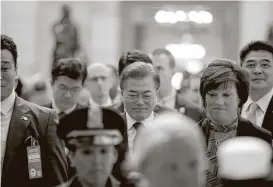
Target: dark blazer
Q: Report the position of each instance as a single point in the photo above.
(268, 118)
(245, 128)
(27, 120)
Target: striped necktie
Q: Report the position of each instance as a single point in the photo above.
(252, 117)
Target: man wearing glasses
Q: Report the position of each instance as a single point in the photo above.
(68, 77)
(139, 83)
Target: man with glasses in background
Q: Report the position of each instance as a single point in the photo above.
(68, 77)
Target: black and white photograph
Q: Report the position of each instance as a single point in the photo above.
(136, 93)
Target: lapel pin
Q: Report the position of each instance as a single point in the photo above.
(24, 118)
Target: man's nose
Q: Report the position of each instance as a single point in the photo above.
(67, 94)
(96, 158)
(258, 69)
(140, 100)
(219, 100)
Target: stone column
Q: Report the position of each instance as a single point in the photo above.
(255, 17)
(105, 32)
(19, 22)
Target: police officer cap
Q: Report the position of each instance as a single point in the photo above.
(244, 158)
(91, 126)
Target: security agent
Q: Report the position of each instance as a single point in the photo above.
(95, 137)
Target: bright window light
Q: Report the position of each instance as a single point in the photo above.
(181, 15)
(193, 16)
(160, 17)
(171, 17)
(206, 17)
(202, 17)
(177, 80)
(187, 51)
(194, 66)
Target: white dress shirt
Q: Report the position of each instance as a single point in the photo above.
(6, 112)
(260, 112)
(132, 131)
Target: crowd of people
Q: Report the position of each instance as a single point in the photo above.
(128, 127)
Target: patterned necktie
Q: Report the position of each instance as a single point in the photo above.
(252, 117)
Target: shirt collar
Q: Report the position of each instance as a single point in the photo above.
(8, 103)
(262, 102)
(67, 111)
(131, 121)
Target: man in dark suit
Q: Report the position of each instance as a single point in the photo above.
(68, 77)
(31, 152)
(139, 83)
(257, 59)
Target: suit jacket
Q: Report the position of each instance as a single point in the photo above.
(245, 128)
(27, 120)
(268, 117)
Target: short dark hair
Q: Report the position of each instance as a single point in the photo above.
(71, 67)
(255, 46)
(132, 56)
(139, 70)
(161, 51)
(9, 44)
(223, 71)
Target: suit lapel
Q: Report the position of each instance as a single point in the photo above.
(16, 134)
(268, 118)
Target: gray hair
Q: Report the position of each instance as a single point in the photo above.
(139, 70)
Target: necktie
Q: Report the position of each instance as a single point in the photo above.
(136, 125)
(252, 117)
(61, 115)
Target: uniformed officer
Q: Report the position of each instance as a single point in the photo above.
(96, 140)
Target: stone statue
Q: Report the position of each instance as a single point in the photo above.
(66, 36)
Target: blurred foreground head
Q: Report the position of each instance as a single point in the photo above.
(244, 161)
(171, 152)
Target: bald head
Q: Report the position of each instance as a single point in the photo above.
(172, 149)
(98, 80)
(98, 67)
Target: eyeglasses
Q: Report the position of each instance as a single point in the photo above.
(71, 90)
(135, 97)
